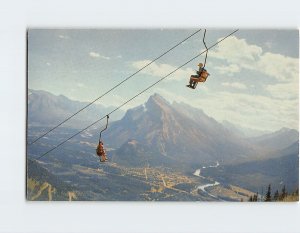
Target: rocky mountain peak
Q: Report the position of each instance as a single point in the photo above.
(156, 100)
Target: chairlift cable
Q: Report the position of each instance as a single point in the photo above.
(117, 108)
(120, 83)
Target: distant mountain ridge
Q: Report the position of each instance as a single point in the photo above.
(277, 140)
(46, 109)
(242, 131)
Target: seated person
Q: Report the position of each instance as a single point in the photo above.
(201, 76)
(101, 152)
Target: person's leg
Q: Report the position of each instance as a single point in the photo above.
(194, 77)
(193, 84)
(194, 81)
(191, 80)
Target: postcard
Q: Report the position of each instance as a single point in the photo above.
(195, 114)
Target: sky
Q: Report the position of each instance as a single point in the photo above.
(253, 82)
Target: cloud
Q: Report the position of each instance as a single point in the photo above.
(251, 111)
(93, 54)
(284, 90)
(260, 112)
(80, 85)
(119, 99)
(281, 67)
(161, 70)
(228, 70)
(48, 63)
(97, 55)
(236, 85)
(239, 53)
(171, 96)
(63, 37)
(236, 50)
(269, 44)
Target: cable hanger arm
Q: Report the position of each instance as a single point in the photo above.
(205, 47)
(107, 116)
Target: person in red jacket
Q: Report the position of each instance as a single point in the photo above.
(101, 152)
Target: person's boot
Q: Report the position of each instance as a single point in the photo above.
(190, 84)
(193, 85)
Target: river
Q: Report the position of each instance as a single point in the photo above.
(202, 188)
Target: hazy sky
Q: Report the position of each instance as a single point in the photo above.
(253, 78)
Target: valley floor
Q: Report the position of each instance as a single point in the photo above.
(111, 182)
(75, 173)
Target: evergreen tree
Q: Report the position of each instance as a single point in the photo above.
(251, 199)
(276, 196)
(255, 197)
(283, 193)
(268, 194)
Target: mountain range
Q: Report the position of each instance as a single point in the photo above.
(184, 133)
(47, 109)
(277, 140)
(170, 135)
